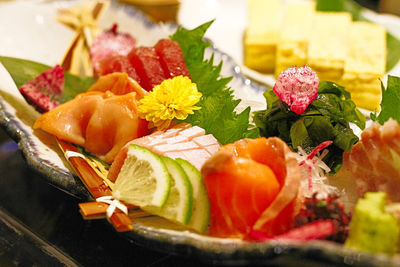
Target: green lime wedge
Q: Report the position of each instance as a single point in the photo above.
(179, 204)
(201, 206)
(143, 180)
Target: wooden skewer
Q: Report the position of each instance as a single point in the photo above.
(96, 186)
(97, 210)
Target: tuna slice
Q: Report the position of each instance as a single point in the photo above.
(147, 64)
(171, 58)
(110, 43)
(45, 90)
(117, 63)
(374, 161)
(180, 141)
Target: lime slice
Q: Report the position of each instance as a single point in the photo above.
(143, 180)
(201, 206)
(179, 204)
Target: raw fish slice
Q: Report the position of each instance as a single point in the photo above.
(374, 161)
(359, 164)
(45, 90)
(245, 193)
(119, 84)
(379, 152)
(109, 43)
(147, 64)
(175, 142)
(117, 63)
(113, 124)
(69, 121)
(101, 122)
(171, 58)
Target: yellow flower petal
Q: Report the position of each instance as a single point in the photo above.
(173, 98)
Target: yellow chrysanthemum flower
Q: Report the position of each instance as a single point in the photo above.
(173, 98)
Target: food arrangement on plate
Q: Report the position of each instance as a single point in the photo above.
(157, 131)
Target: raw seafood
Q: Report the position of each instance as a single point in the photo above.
(110, 43)
(374, 161)
(181, 141)
(252, 184)
(99, 121)
(44, 90)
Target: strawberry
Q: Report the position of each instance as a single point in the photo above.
(297, 87)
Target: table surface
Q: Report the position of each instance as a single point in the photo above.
(41, 225)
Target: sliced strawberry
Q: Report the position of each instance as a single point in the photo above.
(110, 43)
(45, 90)
(171, 58)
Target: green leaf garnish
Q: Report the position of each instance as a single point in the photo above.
(217, 115)
(326, 118)
(22, 71)
(390, 101)
(392, 43)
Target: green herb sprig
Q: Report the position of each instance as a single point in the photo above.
(217, 115)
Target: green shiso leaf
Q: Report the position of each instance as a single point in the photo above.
(392, 43)
(22, 71)
(328, 117)
(390, 101)
(217, 115)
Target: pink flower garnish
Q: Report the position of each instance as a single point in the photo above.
(297, 87)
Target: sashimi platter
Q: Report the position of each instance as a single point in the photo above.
(158, 131)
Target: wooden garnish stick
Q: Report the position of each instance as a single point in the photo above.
(97, 210)
(96, 186)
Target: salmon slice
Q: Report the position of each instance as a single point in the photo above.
(176, 142)
(147, 64)
(375, 160)
(171, 58)
(101, 122)
(250, 190)
(118, 83)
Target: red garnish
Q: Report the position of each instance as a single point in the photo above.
(326, 209)
(45, 90)
(309, 160)
(110, 43)
(312, 231)
(297, 87)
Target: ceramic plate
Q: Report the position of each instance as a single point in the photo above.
(33, 33)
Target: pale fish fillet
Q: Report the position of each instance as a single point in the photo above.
(181, 141)
(375, 160)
